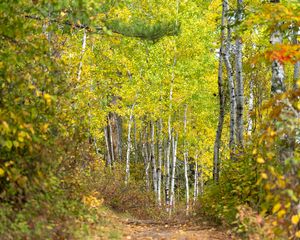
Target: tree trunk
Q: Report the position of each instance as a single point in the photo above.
(217, 145)
(278, 75)
(153, 160)
(146, 160)
(160, 155)
(174, 159)
(129, 146)
(185, 156)
(108, 160)
(251, 107)
(239, 82)
(167, 185)
(119, 133)
(81, 55)
(111, 141)
(196, 181)
(230, 81)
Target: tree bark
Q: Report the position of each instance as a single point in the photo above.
(167, 185)
(251, 107)
(81, 55)
(217, 144)
(185, 156)
(146, 159)
(111, 141)
(196, 192)
(108, 160)
(230, 81)
(153, 160)
(239, 82)
(278, 75)
(174, 160)
(119, 133)
(160, 155)
(129, 146)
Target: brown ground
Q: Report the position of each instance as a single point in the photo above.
(143, 230)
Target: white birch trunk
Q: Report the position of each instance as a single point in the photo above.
(230, 81)
(217, 144)
(196, 182)
(127, 171)
(185, 156)
(160, 155)
(153, 160)
(251, 107)
(167, 184)
(278, 75)
(239, 82)
(146, 160)
(81, 55)
(174, 160)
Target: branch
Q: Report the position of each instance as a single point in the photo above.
(137, 30)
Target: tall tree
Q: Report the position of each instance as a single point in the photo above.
(217, 144)
(230, 76)
(185, 156)
(239, 80)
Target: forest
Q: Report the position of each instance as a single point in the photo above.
(150, 119)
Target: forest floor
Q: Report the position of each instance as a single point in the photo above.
(131, 229)
(185, 230)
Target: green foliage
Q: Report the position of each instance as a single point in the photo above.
(143, 30)
(256, 192)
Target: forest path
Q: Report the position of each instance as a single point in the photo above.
(146, 230)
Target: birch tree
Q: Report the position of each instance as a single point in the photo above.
(239, 80)
(160, 156)
(278, 75)
(230, 75)
(153, 160)
(174, 161)
(129, 146)
(185, 156)
(217, 144)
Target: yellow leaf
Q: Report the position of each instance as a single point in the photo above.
(1, 172)
(264, 176)
(31, 87)
(298, 234)
(260, 160)
(295, 219)
(47, 98)
(288, 205)
(298, 105)
(276, 207)
(281, 213)
(44, 128)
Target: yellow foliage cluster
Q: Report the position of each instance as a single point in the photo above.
(93, 200)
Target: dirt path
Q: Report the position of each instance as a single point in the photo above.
(143, 230)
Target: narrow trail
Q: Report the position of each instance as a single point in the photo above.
(145, 230)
